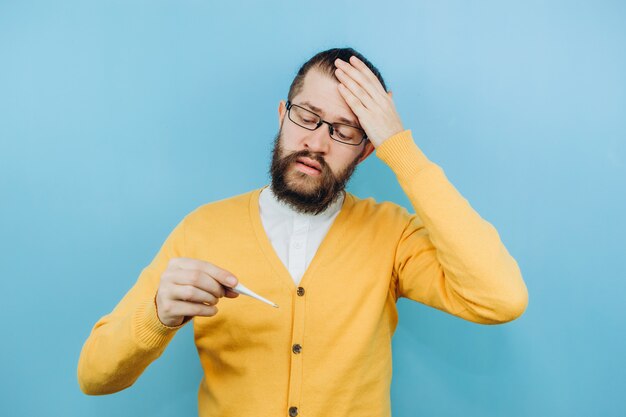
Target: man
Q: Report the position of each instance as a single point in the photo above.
(335, 264)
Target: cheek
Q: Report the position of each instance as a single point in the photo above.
(291, 137)
(341, 159)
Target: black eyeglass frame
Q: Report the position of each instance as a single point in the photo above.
(322, 121)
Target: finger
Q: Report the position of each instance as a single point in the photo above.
(184, 308)
(357, 63)
(220, 274)
(231, 294)
(355, 104)
(356, 89)
(192, 294)
(359, 77)
(198, 279)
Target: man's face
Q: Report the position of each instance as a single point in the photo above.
(306, 189)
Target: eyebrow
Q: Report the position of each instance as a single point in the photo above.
(318, 110)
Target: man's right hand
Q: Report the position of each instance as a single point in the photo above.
(191, 287)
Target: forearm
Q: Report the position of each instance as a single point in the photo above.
(480, 279)
(120, 347)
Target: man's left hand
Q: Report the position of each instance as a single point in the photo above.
(368, 100)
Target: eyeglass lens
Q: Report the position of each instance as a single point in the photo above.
(340, 132)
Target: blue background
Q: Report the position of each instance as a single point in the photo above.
(117, 118)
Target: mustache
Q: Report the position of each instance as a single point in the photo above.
(293, 156)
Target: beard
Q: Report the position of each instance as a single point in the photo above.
(306, 193)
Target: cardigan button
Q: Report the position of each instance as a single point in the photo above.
(296, 348)
(293, 411)
(300, 291)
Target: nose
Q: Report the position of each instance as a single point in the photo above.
(318, 140)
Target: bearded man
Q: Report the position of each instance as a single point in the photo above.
(335, 265)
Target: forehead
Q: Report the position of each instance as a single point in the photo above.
(319, 93)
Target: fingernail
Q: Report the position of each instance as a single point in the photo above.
(232, 280)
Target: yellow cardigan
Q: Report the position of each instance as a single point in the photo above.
(326, 352)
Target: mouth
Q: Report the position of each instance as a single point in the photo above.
(309, 166)
(310, 162)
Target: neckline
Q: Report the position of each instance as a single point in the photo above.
(329, 245)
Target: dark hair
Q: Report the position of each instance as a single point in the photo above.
(325, 62)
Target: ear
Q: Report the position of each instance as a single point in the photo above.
(369, 148)
(390, 94)
(282, 111)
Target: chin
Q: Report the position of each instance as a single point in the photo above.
(303, 183)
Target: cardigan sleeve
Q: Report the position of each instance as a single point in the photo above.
(124, 342)
(448, 256)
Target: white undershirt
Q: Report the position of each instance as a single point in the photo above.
(295, 236)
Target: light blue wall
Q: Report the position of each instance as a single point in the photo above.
(117, 118)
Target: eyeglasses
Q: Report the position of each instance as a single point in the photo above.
(350, 135)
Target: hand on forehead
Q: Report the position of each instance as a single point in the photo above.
(320, 95)
(359, 77)
(367, 98)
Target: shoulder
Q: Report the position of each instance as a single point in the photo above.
(233, 206)
(369, 210)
